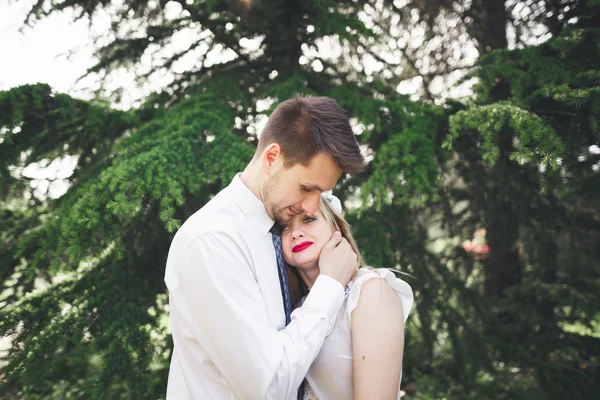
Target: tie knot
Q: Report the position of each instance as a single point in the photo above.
(276, 229)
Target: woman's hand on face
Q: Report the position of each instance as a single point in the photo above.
(337, 259)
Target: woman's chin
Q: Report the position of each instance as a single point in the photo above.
(302, 262)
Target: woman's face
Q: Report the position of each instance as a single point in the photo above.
(303, 239)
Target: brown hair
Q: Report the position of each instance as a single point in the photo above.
(337, 222)
(306, 125)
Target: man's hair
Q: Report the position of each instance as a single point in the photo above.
(306, 125)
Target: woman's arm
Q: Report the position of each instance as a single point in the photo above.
(377, 341)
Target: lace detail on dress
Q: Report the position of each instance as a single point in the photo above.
(308, 392)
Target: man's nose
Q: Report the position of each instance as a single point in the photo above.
(311, 203)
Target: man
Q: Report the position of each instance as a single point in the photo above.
(226, 295)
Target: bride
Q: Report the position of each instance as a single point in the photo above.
(362, 357)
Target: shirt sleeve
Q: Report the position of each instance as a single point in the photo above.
(220, 302)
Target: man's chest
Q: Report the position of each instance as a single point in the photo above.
(262, 260)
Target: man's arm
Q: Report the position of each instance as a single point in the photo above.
(218, 297)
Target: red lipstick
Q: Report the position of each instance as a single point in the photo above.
(302, 246)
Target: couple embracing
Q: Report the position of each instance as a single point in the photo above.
(269, 296)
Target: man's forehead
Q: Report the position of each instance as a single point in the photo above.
(321, 173)
(319, 180)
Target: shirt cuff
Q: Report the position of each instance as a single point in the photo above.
(326, 295)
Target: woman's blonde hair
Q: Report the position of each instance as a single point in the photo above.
(336, 222)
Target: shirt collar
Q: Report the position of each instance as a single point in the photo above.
(250, 205)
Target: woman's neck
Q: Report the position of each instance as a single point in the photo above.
(309, 275)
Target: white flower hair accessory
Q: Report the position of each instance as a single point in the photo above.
(334, 202)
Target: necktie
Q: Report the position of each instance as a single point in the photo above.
(283, 280)
(284, 284)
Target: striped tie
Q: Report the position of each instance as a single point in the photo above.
(283, 279)
(284, 284)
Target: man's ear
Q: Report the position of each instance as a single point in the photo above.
(272, 158)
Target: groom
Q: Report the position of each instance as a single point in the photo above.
(229, 300)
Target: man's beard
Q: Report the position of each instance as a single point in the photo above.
(279, 214)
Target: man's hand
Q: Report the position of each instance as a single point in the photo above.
(337, 259)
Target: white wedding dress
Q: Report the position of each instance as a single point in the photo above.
(330, 376)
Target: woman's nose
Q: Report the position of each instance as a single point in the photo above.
(297, 233)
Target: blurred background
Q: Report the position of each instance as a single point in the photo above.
(480, 120)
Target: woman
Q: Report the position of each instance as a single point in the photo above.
(362, 357)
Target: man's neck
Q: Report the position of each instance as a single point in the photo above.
(250, 178)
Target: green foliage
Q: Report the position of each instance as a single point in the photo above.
(36, 124)
(532, 125)
(531, 135)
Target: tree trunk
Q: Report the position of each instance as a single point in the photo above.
(488, 26)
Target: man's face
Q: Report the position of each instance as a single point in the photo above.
(295, 190)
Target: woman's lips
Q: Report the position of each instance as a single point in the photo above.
(302, 246)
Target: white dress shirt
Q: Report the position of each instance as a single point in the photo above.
(331, 375)
(226, 308)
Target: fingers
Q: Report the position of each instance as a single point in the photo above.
(347, 256)
(336, 238)
(338, 260)
(343, 249)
